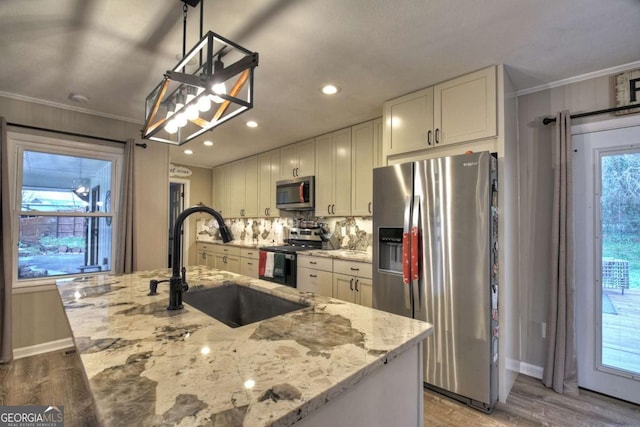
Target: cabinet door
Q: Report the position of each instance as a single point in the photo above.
(317, 281)
(249, 267)
(219, 261)
(251, 187)
(221, 190)
(268, 174)
(364, 291)
(408, 123)
(232, 263)
(333, 174)
(465, 108)
(341, 172)
(306, 157)
(363, 156)
(237, 189)
(201, 258)
(324, 175)
(343, 287)
(288, 161)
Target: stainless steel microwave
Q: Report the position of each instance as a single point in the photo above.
(296, 194)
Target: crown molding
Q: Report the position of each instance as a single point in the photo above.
(580, 78)
(68, 107)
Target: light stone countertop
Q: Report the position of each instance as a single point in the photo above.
(149, 366)
(345, 254)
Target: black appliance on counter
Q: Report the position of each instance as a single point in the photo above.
(278, 264)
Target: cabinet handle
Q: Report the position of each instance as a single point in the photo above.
(297, 171)
(312, 262)
(357, 290)
(369, 207)
(329, 209)
(429, 137)
(312, 275)
(437, 136)
(249, 263)
(333, 209)
(354, 269)
(351, 284)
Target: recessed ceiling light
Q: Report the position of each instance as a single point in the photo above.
(252, 124)
(208, 143)
(330, 89)
(188, 152)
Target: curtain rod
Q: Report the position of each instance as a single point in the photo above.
(548, 120)
(100, 138)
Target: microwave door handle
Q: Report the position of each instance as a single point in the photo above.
(406, 253)
(301, 192)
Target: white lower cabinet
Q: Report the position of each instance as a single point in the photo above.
(315, 274)
(249, 259)
(352, 282)
(345, 280)
(219, 256)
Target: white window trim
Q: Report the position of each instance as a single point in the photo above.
(18, 142)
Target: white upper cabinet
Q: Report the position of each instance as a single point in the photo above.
(465, 108)
(333, 174)
(220, 187)
(243, 196)
(365, 145)
(459, 110)
(408, 122)
(298, 159)
(268, 174)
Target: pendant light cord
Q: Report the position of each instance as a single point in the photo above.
(184, 29)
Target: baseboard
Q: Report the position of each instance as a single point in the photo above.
(531, 370)
(45, 347)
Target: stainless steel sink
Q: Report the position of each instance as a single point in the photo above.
(236, 305)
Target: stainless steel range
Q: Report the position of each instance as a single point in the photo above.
(278, 263)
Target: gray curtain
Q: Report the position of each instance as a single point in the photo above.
(125, 232)
(560, 369)
(6, 250)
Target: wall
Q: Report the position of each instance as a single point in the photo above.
(536, 191)
(200, 182)
(37, 311)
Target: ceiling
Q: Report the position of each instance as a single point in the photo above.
(116, 51)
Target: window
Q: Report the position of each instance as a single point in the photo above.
(65, 207)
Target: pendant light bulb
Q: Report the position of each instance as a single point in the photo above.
(204, 103)
(170, 124)
(179, 117)
(171, 127)
(218, 89)
(191, 113)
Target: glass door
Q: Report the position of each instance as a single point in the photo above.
(607, 260)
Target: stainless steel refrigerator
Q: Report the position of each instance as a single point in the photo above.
(435, 259)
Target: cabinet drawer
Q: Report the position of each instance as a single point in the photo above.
(318, 263)
(352, 268)
(205, 247)
(316, 281)
(226, 250)
(249, 267)
(250, 253)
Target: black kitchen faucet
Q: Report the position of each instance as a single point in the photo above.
(178, 282)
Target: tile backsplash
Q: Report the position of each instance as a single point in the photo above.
(354, 233)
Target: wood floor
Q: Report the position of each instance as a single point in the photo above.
(620, 336)
(56, 379)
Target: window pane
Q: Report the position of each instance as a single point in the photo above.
(58, 246)
(58, 183)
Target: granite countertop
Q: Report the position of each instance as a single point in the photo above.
(345, 254)
(149, 366)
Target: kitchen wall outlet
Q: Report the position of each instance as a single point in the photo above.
(543, 329)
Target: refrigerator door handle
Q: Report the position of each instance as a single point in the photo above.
(406, 253)
(415, 254)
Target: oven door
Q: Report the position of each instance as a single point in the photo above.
(278, 267)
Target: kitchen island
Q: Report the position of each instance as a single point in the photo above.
(332, 363)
